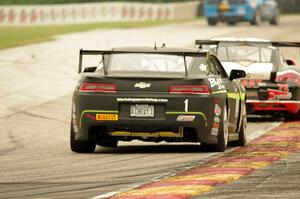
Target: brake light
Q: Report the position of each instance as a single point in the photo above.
(98, 87)
(189, 89)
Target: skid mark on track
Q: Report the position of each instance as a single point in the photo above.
(276, 144)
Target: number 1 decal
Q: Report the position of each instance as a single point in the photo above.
(186, 105)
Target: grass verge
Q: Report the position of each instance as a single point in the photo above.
(12, 36)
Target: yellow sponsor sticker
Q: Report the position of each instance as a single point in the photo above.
(107, 117)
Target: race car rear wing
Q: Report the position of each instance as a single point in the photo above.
(276, 44)
(108, 52)
(271, 43)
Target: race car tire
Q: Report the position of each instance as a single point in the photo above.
(223, 135)
(274, 21)
(292, 117)
(256, 18)
(108, 143)
(81, 146)
(212, 22)
(242, 141)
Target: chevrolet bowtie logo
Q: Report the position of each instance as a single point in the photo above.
(142, 85)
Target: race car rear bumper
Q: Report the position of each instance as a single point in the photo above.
(167, 128)
(292, 107)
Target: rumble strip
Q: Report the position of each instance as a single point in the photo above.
(277, 143)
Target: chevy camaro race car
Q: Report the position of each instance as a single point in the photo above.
(156, 94)
(272, 83)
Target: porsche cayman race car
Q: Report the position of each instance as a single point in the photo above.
(156, 94)
(272, 83)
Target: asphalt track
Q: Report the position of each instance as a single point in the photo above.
(36, 84)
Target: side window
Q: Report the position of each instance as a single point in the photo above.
(211, 69)
(215, 67)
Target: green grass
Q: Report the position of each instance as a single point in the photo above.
(12, 36)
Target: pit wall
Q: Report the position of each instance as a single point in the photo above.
(95, 13)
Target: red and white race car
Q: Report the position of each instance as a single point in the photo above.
(272, 83)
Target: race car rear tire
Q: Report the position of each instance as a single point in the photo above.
(242, 141)
(292, 117)
(81, 146)
(212, 21)
(256, 18)
(274, 21)
(223, 135)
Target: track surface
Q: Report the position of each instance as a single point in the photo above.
(36, 86)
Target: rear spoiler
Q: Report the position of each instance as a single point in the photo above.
(106, 52)
(271, 43)
(89, 52)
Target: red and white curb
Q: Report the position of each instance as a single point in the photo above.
(267, 146)
(95, 12)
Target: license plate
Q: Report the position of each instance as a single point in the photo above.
(142, 110)
(106, 117)
(252, 94)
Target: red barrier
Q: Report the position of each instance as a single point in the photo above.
(33, 16)
(2, 16)
(11, 16)
(23, 16)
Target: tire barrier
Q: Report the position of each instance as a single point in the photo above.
(95, 12)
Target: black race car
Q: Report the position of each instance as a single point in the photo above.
(156, 94)
(273, 82)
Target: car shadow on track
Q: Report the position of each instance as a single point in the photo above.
(139, 149)
(255, 118)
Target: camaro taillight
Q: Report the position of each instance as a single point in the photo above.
(189, 89)
(98, 87)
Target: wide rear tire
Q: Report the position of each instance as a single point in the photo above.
(242, 141)
(212, 21)
(275, 20)
(81, 146)
(256, 18)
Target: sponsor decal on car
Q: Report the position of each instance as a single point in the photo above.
(120, 99)
(217, 110)
(142, 85)
(216, 82)
(185, 118)
(107, 117)
(217, 120)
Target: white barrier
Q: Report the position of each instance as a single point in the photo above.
(95, 12)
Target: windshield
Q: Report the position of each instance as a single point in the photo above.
(149, 64)
(245, 53)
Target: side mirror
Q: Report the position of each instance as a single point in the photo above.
(290, 62)
(234, 74)
(90, 69)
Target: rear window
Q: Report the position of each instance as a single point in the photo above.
(144, 64)
(245, 53)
